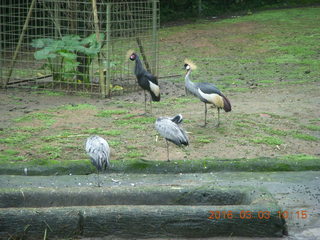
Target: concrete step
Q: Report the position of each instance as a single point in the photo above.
(139, 212)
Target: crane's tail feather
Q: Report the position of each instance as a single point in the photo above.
(154, 97)
(226, 104)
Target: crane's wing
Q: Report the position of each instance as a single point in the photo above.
(98, 150)
(150, 83)
(150, 77)
(171, 131)
(208, 88)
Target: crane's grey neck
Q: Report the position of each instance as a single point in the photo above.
(190, 86)
(138, 70)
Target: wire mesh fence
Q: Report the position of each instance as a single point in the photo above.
(76, 45)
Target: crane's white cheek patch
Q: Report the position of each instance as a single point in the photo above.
(154, 88)
(213, 98)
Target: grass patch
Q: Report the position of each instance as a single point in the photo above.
(109, 113)
(52, 152)
(304, 136)
(9, 155)
(98, 131)
(114, 143)
(298, 157)
(241, 124)
(204, 139)
(46, 118)
(135, 120)
(273, 131)
(312, 127)
(268, 140)
(134, 154)
(30, 129)
(137, 126)
(57, 137)
(73, 107)
(17, 138)
(34, 116)
(52, 93)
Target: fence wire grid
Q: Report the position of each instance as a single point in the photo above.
(75, 45)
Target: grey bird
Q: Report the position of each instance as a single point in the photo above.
(99, 152)
(169, 128)
(206, 92)
(146, 80)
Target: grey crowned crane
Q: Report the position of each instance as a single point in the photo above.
(146, 80)
(99, 152)
(206, 92)
(170, 129)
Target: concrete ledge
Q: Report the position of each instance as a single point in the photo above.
(146, 195)
(138, 222)
(180, 166)
(140, 212)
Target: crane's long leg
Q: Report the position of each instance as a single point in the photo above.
(145, 101)
(167, 150)
(218, 117)
(99, 185)
(205, 114)
(151, 104)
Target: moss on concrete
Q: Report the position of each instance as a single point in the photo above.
(79, 167)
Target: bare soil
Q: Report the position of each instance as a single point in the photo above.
(287, 108)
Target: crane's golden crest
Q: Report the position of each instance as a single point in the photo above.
(129, 53)
(190, 63)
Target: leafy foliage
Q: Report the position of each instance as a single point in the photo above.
(62, 54)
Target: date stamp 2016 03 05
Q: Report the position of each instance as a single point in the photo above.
(246, 214)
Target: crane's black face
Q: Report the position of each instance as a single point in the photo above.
(133, 57)
(187, 67)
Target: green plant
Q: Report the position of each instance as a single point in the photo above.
(312, 127)
(68, 56)
(109, 113)
(268, 140)
(305, 137)
(113, 132)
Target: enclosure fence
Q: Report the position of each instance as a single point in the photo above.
(76, 45)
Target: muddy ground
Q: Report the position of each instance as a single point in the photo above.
(260, 118)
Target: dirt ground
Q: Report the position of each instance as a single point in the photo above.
(257, 117)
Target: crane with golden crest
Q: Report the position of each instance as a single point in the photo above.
(206, 92)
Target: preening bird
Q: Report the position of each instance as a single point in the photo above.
(170, 129)
(146, 80)
(206, 92)
(99, 152)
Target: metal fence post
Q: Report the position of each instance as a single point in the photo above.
(108, 45)
(155, 36)
(1, 57)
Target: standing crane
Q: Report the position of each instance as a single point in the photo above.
(146, 80)
(99, 152)
(206, 92)
(170, 129)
